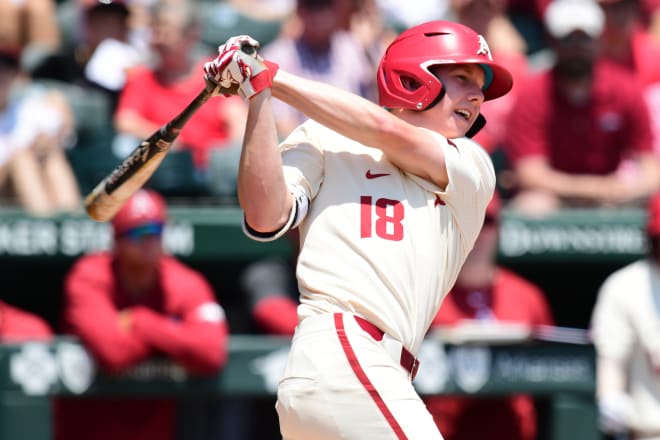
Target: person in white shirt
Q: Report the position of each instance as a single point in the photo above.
(625, 329)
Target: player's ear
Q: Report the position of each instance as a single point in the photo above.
(479, 123)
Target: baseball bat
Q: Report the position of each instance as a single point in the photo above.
(103, 202)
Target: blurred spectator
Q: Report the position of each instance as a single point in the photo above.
(17, 325)
(272, 295)
(625, 328)
(627, 41)
(31, 27)
(272, 290)
(402, 15)
(527, 16)
(264, 10)
(101, 54)
(152, 96)
(570, 131)
(321, 48)
(35, 127)
(132, 304)
(651, 13)
(489, 18)
(492, 297)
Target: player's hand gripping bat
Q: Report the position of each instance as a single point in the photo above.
(103, 202)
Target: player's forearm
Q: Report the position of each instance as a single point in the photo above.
(199, 346)
(344, 112)
(408, 147)
(262, 191)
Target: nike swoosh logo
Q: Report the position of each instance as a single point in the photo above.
(371, 175)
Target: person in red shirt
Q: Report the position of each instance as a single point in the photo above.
(270, 286)
(18, 325)
(627, 40)
(487, 292)
(152, 95)
(131, 304)
(574, 126)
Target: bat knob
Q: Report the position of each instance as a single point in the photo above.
(248, 48)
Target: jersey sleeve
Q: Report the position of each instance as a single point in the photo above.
(194, 332)
(471, 184)
(303, 171)
(90, 314)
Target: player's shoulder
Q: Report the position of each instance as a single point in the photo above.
(469, 147)
(317, 134)
(465, 142)
(637, 269)
(93, 261)
(510, 281)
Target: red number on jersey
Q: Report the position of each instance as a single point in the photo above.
(389, 215)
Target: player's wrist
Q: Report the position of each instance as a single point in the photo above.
(261, 81)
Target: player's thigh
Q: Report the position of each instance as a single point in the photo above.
(326, 395)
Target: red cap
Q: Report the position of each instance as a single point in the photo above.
(653, 221)
(146, 207)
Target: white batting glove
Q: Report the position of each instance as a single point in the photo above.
(250, 72)
(216, 71)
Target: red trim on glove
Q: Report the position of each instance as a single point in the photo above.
(272, 68)
(261, 82)
(264, 80)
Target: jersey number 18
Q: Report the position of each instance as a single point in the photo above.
(388, 215)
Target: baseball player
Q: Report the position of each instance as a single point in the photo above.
(625, 326)
(388, 200)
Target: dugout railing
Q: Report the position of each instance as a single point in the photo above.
(568, 254)
(32, 373)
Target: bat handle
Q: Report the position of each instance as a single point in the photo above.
(248, 48)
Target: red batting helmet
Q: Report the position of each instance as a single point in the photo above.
(411, 54)
(144, 208)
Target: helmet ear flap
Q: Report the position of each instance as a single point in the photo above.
(479, 123)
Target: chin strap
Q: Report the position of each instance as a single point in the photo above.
(479, 123)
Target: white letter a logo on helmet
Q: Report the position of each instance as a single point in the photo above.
(483, 48)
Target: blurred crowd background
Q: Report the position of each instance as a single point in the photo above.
(82, 82)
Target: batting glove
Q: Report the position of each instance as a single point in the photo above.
(216, 71)
(251, 72)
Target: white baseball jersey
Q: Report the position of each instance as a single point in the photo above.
(376, 241)
(626, 327)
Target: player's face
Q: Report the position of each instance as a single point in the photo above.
(459, 108)
(141, 253)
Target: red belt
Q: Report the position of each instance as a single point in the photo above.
(407, 360)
